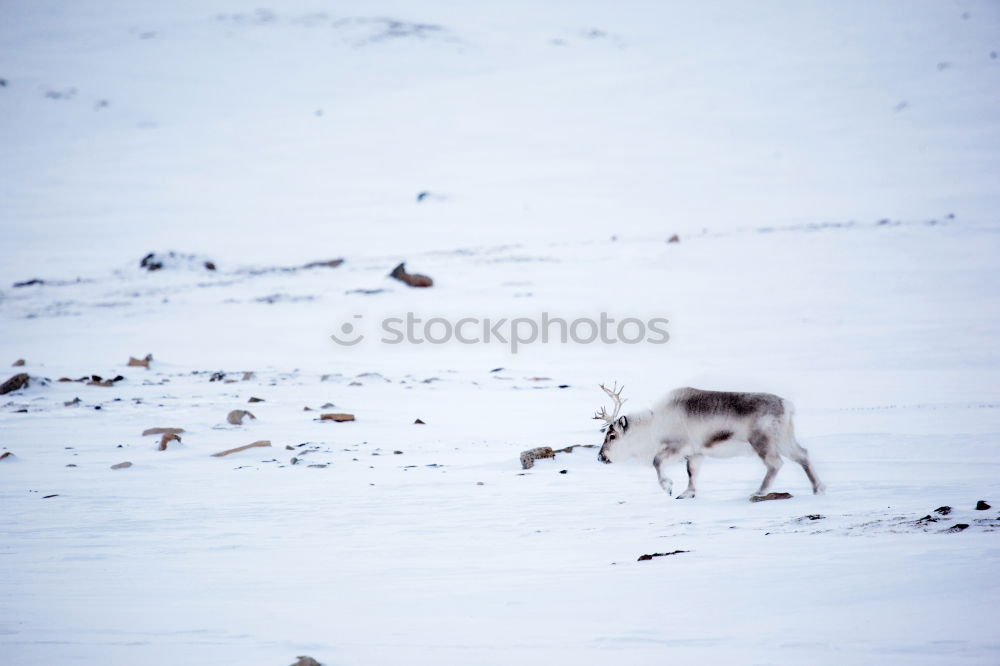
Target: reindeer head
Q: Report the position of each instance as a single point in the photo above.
(616, 427)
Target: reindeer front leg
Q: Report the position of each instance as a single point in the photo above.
(670, 452)
(693, 465)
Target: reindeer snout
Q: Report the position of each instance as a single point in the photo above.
(603, 458)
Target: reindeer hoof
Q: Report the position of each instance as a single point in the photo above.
(687, 494)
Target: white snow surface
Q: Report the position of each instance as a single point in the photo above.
(831, 170)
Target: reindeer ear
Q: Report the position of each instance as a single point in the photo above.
(623, 422)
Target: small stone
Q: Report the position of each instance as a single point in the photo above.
(254, 399)
(122, 465)
(18, 363)
(957, 527)
(306, 661)
(398, 453)
(771, 496)
(339, 418)
(236, 416)
(674, 239)
(6, 454)
(419, 422)
(564, 471)
(943, 510)
(982, 506)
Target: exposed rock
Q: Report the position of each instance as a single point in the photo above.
(644, 558)
(982, 506)
(156, 262)
(29, 283)
(419, 422)
(236, 416)
(122, 465)
(957, 527)
(569, 449)
(529, 457)
(339, 418)
(16, 382)
(97, 380)
(252, 445)
(306, 661)
(168, 437)
(771, 496)
(162, 431)
(253, 399)
(6, 454)
(412, 279)
(943, 510)
(18, 363)
(140, 362)
(330, 263)
(674, 239)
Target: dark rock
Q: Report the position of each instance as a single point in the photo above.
(649, 556)
(957, 527)
(982, 506)
(306, 661)
(29, 283)
(943, 510)
(16, 382)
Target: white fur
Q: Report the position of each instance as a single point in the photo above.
(668, 432)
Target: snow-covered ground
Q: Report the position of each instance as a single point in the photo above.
(830, 169)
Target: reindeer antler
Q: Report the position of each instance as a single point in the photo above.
(616, 395)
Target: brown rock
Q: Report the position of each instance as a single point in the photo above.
(19, 380)
(253, 399)
(674, 239)
(412, 279)
(168, 437)
(339, 418)
(18, 363)
(140, 362)
(6, 454)
(252, 445)
(529, 457)
(771, 496)
(162, 431)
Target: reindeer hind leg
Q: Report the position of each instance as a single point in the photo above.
(769, 455)
(801, 456)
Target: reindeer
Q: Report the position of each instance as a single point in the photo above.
(690, 423)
